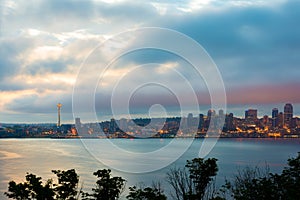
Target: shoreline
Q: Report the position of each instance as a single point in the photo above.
(142, 138)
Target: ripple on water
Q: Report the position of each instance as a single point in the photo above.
(8, 155)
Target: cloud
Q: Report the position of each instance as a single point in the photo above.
(252, 44)
(39, 102)
(10, 49)
(255, 44)
(70, 15)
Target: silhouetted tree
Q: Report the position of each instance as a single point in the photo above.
(249, 184)
(32, 188)
(193, 181)
(107, 187)
(146, 193)
(291, 177)
(190, 183)
(67, 185)
(17, 191)
(180, 182)
(201, 173)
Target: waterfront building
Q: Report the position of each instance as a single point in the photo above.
(201, 122)
(78, 124)
(221, 113)
(229, 125)
(288, 115)
(190, 120)
(123, 125)
(211, 113)
(251, 116)
(113, 126)
(275, 120)
(280, 120)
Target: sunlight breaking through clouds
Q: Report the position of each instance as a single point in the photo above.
(44, 43)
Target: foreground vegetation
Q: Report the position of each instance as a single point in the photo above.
(195, 181)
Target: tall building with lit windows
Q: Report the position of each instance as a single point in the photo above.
(211, 118)
(201, 121)
(251, 116)
(288, 115)
(78, 124)
(190, 120)
(280, 120)
(229, 125)
(275, 119)
(211, 113)
(112, 126)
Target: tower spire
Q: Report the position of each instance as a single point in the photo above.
(59, 105)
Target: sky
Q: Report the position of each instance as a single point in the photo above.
(44, 45)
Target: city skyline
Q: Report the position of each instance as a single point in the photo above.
(237, 110)
(243, 114)
(255, 45)
(216, 123)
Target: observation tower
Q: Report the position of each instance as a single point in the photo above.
(59, 105)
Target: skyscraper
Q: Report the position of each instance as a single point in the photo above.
(78, 125)
(191, 121)
(77, 122)
(201, 121)
(251, 116)
(265, 120)
(221, 113)
(229, 126)
(211, 113)
(211, 118)
(251, 113)
(112, 126)
(280, 119)
(288, 115)
(123, 124)
(275, 119)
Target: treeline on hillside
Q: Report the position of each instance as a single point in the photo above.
(195, 181)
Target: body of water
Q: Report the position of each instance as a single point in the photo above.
(40, 156)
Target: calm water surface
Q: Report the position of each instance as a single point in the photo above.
(40, 156)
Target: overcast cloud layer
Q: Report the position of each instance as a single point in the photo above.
(255, 44)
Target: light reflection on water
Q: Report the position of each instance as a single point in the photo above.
(40, 156)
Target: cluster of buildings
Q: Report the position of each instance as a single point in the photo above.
(36, 130)
(279, 124)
